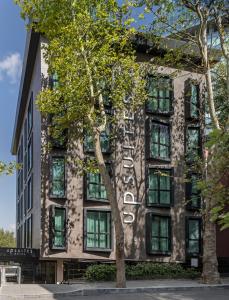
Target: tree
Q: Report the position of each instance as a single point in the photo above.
(199, 14)
(88, 49)
(8, 168)
(7, 238)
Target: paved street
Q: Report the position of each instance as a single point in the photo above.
(202, 294)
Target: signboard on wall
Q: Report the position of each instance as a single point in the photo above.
(18, 253)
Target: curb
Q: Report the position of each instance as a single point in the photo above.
(105, 291)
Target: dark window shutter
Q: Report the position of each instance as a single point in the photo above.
(147, 138)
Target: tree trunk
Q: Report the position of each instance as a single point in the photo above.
(210, 274)
(111, 194)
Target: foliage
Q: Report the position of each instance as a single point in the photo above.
(8, 169)
(106, 272)
(7, 238)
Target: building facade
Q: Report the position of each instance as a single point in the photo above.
(65, 213)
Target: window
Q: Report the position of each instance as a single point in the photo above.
(159, 187)
(98, 230)
(193, 143)
(30, 193)
(58, 227)
(25, 201)
(29, 232)
(158, 234)
(159, 141)
(193, 236)
(54, 81)
(25, 134)
(30, 115)
(58, 177)
(30, 155)
(192, 192)
(104, 142)
(191, 100)
(95, 188)
(159, 95)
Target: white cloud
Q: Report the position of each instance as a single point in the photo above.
(10, 67)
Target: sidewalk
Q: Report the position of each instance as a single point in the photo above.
(51, 291)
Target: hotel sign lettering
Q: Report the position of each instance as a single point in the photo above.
(18, 252)
(128, 163)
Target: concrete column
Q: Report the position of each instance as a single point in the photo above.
(60, 270)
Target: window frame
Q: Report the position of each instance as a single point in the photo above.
(162, 169)
(94, 249)
(188, 253)
(29, 163)
(52, 227)
(148, 128)
(149, 217)
(171, 96)
(51, 195)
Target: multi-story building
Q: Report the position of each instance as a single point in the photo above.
(66, 215)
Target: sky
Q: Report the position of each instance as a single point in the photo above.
(12, 43)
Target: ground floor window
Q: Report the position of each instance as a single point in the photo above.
(158, 235)
(98, 230)
(193, 236)
(58, 227)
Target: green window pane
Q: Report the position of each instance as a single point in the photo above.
(153, 180)
(164, 151)
(91, 222)
(165, 197)
(153, 197)
(165, 181)
(155, 226)
(155, 150)
(164, 244)
(59, 219)
(155, 134)
(164, 227)
(193, 247)
(88, 143)
(59, 239)
(55, 80)
(194, 100)
(152, 104)
(155, 246)
(58, 177)
(193, 229)
(90, 240)
(59, 227)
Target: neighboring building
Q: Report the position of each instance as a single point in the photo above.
(67, 216)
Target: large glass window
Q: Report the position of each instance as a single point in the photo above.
(159, 187)
(98, 230)
(193, 236)
(192, 192)
(54, 81)
(59, 227)
(58, 177)
(159, 141)
(159, 234)
(193, 143)
(95, 187)
(159, 95)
